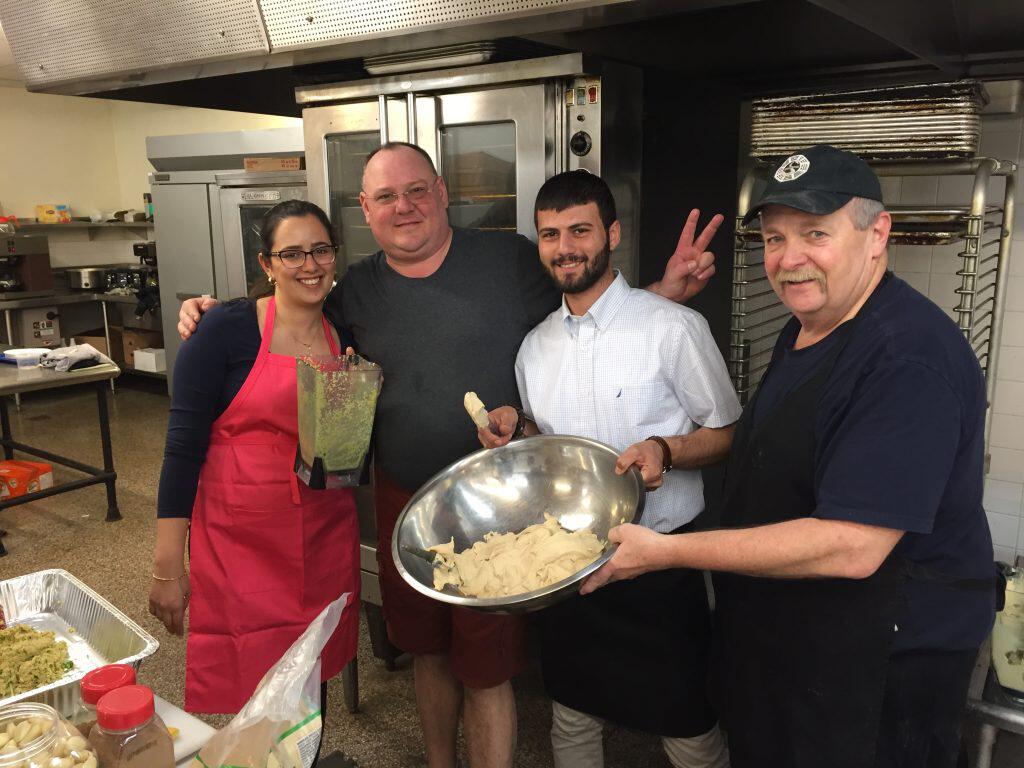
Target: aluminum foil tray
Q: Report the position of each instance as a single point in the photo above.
(95, 631)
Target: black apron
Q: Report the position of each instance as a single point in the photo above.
(800, 665)
(634, 653)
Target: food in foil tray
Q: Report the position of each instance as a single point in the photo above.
(506, 564)
(30, 659)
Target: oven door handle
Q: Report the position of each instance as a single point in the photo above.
(382, 114)
(410, 111)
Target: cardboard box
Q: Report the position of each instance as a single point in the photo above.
(138, 338)
(95, 339)
(20, 477)
(253, 164)
(151, 359)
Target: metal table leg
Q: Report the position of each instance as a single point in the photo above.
(10, 340)
(5, 425)
(108, 454)
(377, 627)
(986, 745)
(350, 685)
(106, 336)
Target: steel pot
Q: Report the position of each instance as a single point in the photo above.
(87, 278)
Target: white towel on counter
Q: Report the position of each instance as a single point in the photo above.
(62, 358)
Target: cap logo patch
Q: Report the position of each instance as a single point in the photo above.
(792, 168)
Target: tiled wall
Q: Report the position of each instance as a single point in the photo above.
(933, 272)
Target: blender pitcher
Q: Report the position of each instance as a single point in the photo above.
(337, 398)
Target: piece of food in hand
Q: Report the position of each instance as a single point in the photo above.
(476, 410)
(505, 564)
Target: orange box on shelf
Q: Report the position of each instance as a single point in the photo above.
(19, 477)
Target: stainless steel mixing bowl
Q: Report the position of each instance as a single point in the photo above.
(508, 489)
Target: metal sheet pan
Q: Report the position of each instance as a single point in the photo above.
(95, 631)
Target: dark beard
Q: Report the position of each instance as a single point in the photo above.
(592, 272)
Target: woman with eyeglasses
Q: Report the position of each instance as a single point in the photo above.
(266, 553)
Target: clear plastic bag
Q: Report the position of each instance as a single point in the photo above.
(33, 735)
(280, 726)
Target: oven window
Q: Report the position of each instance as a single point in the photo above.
(346, 155)
(478, 163)
(251, 217)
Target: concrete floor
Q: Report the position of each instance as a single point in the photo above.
(69, 532)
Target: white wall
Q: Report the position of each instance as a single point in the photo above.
(91, 155)
(56, 149)
(133, 122)
(933, 272)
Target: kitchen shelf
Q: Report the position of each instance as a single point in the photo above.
(87, 225)
(125, 368)
(984, 231)
(78, 226)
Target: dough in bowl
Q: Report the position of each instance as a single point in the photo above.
(505, 564)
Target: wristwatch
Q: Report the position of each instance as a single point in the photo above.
(520, 424)
(666, 453)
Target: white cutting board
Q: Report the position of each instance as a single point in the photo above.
(193, 733)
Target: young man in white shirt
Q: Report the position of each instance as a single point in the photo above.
(643, 375)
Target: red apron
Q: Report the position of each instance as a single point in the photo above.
(267, 554)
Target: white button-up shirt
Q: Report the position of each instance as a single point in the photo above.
(635, 365)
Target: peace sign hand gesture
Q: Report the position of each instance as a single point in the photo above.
(691, 265)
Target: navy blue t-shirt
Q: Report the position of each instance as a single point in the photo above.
(900, 444)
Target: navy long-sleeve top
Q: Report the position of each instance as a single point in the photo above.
(209, 371)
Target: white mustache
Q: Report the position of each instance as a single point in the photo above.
(800, 275)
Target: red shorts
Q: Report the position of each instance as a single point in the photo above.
(485, 649)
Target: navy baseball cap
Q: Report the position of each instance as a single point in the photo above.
(820, 180)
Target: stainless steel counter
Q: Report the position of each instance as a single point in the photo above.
(13, 382)
(65, 297)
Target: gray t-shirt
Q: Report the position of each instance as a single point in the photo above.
(437, 338)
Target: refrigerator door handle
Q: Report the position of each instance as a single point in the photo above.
(382, 110)
(410, 111)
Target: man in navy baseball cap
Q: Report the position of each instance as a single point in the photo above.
(819, 179)
(853, 576)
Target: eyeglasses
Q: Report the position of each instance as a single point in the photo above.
(293, 258)
(415, 194)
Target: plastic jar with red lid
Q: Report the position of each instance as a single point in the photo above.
(94, 686)
(128, 732)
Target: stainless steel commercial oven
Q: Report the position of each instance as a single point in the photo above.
(495, 133)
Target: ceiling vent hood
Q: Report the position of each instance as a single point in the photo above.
(89, 46)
